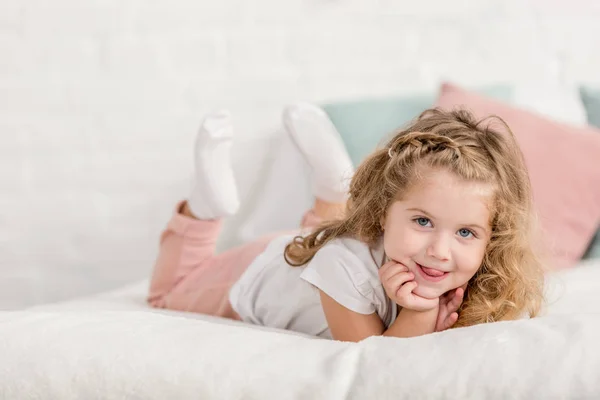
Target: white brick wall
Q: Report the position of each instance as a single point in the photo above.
(99, 102)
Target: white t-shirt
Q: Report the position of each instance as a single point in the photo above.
(274, 294)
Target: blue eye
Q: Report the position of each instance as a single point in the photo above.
(422, 221)
(465, 233)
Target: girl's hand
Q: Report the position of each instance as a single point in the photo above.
(399, 284)
(449, 304)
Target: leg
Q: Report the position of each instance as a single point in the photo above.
(187, 269)
(322, 211)
(185, 243)
(214, 192)
(323, 148)
(188, 276)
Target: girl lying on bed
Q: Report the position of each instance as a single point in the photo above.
(432, 232)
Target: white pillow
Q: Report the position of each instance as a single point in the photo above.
(87, 351)
(141, 355)
(559, 102)
(283, 196)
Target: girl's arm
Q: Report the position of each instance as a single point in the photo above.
(413, 323)
(350, 326)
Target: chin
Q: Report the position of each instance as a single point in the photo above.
(428, 292)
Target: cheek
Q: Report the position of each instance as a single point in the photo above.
(471, 261)
(401, 242)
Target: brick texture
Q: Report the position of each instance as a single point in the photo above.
(100, 100)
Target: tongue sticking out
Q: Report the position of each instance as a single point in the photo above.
(431, 271)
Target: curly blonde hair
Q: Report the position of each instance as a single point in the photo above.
(509, 282)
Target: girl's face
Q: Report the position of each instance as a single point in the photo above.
(439, 230)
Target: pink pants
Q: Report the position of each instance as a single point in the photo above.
(189, 276)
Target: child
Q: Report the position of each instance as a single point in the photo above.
(442, 211)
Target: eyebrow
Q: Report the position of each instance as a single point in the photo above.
(432, 217)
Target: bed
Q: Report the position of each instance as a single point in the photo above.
(113, 346)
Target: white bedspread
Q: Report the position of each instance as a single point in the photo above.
(113, 347)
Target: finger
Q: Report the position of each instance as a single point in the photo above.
(386, 267)
(382, 269)
(457, 300)
(452, 297)
(399, 279)
(450, 320)
(406, 289)
(392, 271)
(445, 298)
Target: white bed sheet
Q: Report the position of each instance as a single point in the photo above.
(132, 298)
(113, 346)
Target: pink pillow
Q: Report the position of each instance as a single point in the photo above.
(564, 167)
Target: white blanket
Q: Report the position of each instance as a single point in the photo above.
(114, 348)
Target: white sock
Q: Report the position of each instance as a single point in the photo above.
(323, 148)
(214, 192)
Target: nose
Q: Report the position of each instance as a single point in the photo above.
(439, 247)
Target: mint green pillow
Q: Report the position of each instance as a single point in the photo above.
(591, 102)
(365, 124)
(594, 250)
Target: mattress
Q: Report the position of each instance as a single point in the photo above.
(113, 346)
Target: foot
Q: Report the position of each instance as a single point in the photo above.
(321, 144)
(214, 192)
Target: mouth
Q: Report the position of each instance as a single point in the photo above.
(431, 274)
